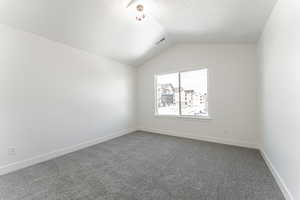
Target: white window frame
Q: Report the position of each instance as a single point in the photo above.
(183, 116)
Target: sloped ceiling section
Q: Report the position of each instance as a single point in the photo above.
(109, 28)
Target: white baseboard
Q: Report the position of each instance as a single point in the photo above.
(202, 138)
(48, 156)
(283, 187)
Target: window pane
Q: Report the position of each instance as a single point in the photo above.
(194, 93)
(167, 102)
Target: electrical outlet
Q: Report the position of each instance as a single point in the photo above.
(11, 151)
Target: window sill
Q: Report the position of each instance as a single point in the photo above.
(184, 117)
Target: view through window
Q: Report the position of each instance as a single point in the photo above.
(182, 93)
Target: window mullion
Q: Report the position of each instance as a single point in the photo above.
(179, 92)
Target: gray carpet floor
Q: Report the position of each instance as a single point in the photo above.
(144, 166)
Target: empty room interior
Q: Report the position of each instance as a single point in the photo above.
(150, 100)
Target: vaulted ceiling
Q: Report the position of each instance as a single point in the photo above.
(109, 28)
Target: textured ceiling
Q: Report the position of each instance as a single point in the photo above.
(107, 27)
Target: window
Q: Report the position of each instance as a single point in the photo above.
(182, 94)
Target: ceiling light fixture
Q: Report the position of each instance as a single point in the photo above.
(140, 13)
(138, 9)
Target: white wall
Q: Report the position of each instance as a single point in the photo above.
(232, 92)
(280, 93)
(53, 97)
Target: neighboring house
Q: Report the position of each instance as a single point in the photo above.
(166, 95)
(187, 97)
